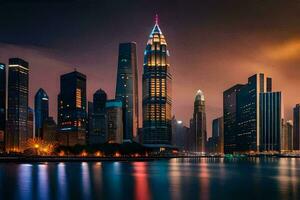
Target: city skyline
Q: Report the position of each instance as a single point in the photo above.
(276, 56)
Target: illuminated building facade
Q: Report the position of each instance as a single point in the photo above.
(99, 133)
(2, 105)
(157, 100)
(270, 121)
(72, 109)
(198, 124)
(248, 113)
(114, 112)
(17, 112)
(230, 118)
(41, 111)
(127, 88)
(296, 131)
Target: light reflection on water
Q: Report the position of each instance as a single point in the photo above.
(205, 178)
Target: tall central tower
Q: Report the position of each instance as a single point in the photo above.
(157, 100)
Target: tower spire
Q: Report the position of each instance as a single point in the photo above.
(156, 19)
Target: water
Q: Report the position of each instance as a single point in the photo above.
(254, 178)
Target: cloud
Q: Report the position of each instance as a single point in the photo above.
(284, 51)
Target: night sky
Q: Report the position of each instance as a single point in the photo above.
(213, 44)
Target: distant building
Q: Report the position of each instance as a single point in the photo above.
(296, 131)
(230, 118)
(157, 99)
(114, 112)
(90, 121)
(41, 110)
(72, 114)
(2, 105)
(198, 125)
(287, 136)
(270, 121)
(218, 134)
(30, 123)
(179, 133)
(99, 133)
(127, 88)
(17, 112)
(49, 130)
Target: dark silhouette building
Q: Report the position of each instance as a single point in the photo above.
(179, 134)
(114, 112)
(230, 118)
(17, 112)
(99, 133)
(72, 109)
(218, 134)
(296, 131)
(41, 111)
(286, 141)
(157, 100)
(2, 105)
(270, 121)
(198, 125)
(30, 121)
(49, 130)
(127, 88)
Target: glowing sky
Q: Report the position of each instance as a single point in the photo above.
(213, 45)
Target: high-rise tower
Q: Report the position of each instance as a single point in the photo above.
(2, 104)
(99, 133)
(71, 118)
(157, 100)
(296, 130)
(17, 113)
(199, 123)
(41, 111)
(127, 88)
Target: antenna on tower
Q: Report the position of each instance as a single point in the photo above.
(156, 19)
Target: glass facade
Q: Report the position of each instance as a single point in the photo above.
(127, 88)
(72, 109)
(198, 125)
(157, 98)
(248, 114)
(270, 121)
(230, 118)
(17, 113)
(41, 110)
(114, 112)
(99, 133)
(296, 130)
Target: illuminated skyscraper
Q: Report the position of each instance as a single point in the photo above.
(41, 111)
(127, 88)
(157, 100)
(2, 104)
(17, 113)
(198, 125)
(72, 109)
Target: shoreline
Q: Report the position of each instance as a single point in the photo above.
(22, 159)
